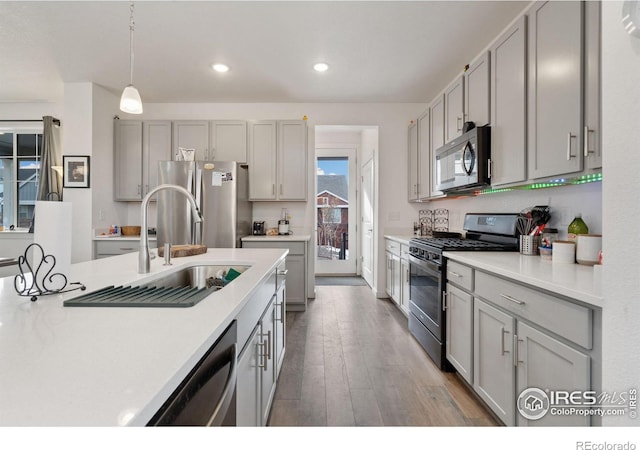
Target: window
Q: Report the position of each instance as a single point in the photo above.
(20, 152)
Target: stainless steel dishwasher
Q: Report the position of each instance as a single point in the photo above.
(207, 396)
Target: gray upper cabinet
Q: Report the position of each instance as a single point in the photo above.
(277, 157)
(262, 160)
(228, 140)
(454, 109)
(476, 91)
(436, 135)
(192, 134)
(156, 147)
(292, 160)
(138, 148)
(128, 160)
(555, 88)
(509, 106)
(424, 156)
(412, 139)
(592, 139)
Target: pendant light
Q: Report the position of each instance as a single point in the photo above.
(130, 102)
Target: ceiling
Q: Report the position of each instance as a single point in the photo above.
(396, 51)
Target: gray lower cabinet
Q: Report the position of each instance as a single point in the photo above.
(248, 389)
(493, 370)
(546, 362)
(267, 363)
(262, 354)
(504, 337)
(459, 345)
(296, 267)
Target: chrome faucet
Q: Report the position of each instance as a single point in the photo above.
(143, 255)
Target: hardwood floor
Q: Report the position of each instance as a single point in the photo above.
(350, 361)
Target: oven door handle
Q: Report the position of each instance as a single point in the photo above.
(425, 265)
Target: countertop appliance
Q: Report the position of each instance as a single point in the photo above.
(259, 228)
(220, 190)
(463, 163)
(207, 396)
(428, 272)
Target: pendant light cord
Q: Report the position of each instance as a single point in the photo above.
(131, 28)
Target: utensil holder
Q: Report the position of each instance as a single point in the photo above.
(529, 244)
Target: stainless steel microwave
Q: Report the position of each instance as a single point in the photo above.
(463, 164)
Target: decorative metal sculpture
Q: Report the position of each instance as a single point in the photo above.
(43, 280)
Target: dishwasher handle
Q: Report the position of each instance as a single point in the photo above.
(222, 407)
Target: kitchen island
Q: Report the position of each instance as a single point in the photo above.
(112, 366)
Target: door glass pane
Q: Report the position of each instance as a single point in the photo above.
(6, 192)
(332, 201)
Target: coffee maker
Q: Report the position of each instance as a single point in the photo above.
(258, 228)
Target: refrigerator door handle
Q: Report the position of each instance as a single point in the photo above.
(197, 232)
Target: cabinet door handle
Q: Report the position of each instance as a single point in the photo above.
(280, 188)
(586, 140)
(444, 300)
(273, 189)
(489, 164)
(503, 350)
(282, 311)
(139, 189)
(455, 274)
(283, 272)
(516, 351)
(458, 123)
(511, 299)
(569, 155)
(262, 360)
(268, 344)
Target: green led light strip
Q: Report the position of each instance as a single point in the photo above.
(590, 178)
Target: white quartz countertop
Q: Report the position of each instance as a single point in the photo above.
(121, 238)
(575, 281)
(288, 238)
(400, 238)
(110, 366)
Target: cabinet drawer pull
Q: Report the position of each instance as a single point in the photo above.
(586, 141)
(126, 248)
(283, 272)
(503, 350)
(455, 274)
(511, 299)
(569, 155)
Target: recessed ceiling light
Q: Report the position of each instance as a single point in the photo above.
(321, 67)
(220, 68)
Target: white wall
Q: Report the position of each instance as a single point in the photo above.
(29, 111)
(621, 248)
(564, 201)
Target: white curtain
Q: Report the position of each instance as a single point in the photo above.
(50, 180)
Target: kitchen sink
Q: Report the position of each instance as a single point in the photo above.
(202, 276)
(183, 288)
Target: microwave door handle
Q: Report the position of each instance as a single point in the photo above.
(468, 149)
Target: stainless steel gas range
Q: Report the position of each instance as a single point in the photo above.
(428, 269)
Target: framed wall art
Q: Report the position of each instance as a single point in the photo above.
(76, 170)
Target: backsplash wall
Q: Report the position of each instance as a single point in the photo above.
(565, 202)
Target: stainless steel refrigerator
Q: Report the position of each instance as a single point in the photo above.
(221, 190)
